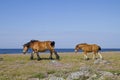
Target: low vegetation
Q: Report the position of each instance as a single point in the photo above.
(20, 67)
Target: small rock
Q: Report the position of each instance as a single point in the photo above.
(93, 77)
(33, 79)
(56, 78)
(56, 63)
(97, 61)
(78, 75)
(100, 61)
(106, 62)
(105, 73)
(85, 68)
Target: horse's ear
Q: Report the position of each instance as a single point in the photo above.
(23, 45)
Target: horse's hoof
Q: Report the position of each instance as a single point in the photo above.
(102, 58)
(31, 58)
(95, 58)
(39, 59)
(51, 58)
(87, 59)
(58, 58)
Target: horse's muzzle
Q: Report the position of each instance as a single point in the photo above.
(24, 52)
(75, 51)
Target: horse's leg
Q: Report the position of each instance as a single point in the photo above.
(51, 55)
(100, 55)
(85, 56)
(32, 56)
(38, 57)
(57, 56)
(94, 55)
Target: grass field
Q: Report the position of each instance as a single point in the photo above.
(20, 67)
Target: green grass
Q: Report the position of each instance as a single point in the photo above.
(38, 75)
(20, 67)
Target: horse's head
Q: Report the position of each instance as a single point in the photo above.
(25, 48)
(79, 47)
(76, 48)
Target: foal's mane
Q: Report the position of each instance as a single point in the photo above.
(83, 44)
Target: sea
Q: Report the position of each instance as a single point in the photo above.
(60, 50)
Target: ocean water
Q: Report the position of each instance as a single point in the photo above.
(18, 51)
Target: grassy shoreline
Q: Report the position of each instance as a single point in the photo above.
(20, 67)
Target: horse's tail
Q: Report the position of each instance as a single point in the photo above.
(52, 43)
(99, 48)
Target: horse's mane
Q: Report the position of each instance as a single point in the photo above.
(28, 43)
(34, 41)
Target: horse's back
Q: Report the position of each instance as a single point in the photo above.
(46, 45)
(96, 47)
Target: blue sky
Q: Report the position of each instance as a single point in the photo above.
(67, 22)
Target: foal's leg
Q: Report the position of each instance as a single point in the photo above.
(94, 55)
(85, 56)
(100, 55)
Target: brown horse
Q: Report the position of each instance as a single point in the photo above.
(40, 46)
(86, 48)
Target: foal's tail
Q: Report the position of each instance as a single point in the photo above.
(53, 43)
(99, 48)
